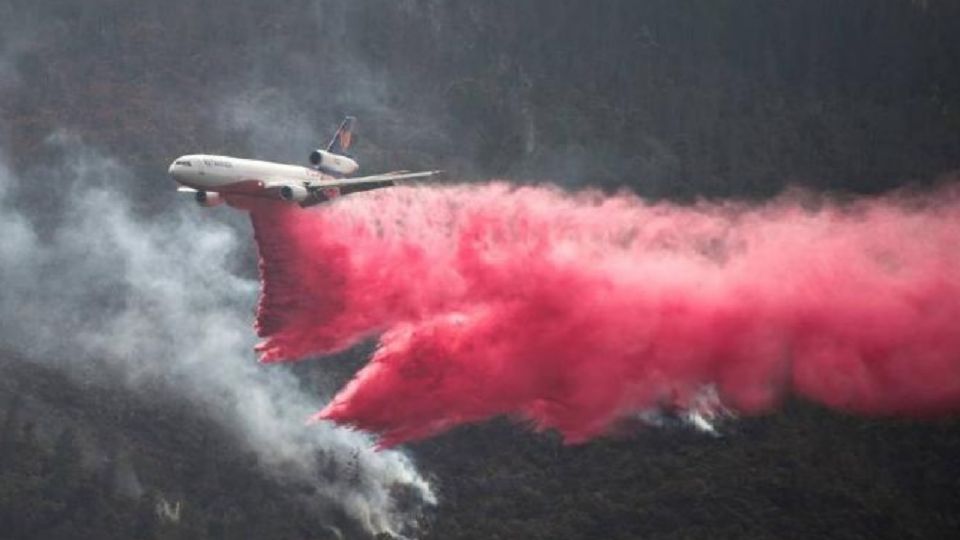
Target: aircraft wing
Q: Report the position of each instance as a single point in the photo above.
(346, 186)
(325, 190)
(378, 179)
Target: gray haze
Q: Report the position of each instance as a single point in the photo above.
(157, 302)
(108, 296)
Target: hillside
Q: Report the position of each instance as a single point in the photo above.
(124, 351)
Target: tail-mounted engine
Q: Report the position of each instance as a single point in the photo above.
(334, 164)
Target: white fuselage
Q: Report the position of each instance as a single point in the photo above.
(224, 174)
(217, 179)
(214, 180)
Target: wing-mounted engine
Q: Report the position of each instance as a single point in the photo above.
(294, 193)
(208, 199)
(334, 164)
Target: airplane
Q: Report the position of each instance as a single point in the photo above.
(210, 178)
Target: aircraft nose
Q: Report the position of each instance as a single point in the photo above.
(173, 169)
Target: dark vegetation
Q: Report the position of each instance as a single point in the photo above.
(806, 473)
(74, 480)
(671, 99)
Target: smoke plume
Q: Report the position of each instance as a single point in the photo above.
(580, 312)
(151, 303)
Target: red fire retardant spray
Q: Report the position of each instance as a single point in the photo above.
(577, 311)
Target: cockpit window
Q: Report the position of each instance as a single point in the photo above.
(184, 162)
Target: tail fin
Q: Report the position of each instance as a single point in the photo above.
(342, 139)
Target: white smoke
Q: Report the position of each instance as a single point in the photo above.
(154, 303)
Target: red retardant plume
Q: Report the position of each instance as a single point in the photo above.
(576, 312)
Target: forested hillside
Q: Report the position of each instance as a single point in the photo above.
(672, 100)
(719, 98)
